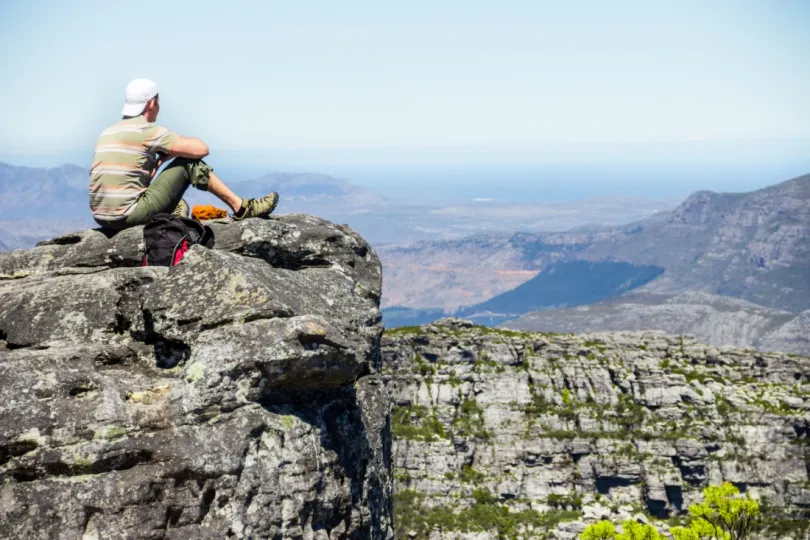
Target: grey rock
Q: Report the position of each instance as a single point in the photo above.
(234, 395)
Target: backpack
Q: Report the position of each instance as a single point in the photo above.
(167, 238)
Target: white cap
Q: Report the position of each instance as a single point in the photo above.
(138, 92)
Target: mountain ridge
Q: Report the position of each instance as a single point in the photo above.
(754, 246)
(717, 320)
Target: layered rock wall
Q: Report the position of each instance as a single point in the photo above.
(235, 395)
(502, 434)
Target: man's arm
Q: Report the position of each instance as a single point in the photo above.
(190, 147)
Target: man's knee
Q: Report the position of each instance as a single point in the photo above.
(183, 162)
(199, 174)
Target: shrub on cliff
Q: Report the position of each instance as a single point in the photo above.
(631, 530)
(724, 514)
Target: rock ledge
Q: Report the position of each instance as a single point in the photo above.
(235, 395)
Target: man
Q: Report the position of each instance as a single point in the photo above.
(124, 191)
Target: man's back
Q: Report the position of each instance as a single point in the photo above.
(124, 191)
(123, 164)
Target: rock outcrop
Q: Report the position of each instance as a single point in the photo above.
(500, 433)
(721, 321)
(236, 395)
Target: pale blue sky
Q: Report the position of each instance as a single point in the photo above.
(507, 77)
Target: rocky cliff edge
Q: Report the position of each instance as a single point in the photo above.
(235, 395)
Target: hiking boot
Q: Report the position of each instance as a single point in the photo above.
(260, 208)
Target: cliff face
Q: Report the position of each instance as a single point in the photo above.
(236, 395)
(497, 432)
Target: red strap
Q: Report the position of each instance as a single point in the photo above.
(179, 252)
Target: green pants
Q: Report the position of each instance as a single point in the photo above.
(165, 193)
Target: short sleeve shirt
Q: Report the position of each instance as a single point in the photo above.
(126, 154)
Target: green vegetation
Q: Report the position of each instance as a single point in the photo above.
(632, 530)
(486, 513)
(779, 408)
(484, 364)
(780, 528)
(627, 450)
(420, 423)
(629, 414)
(538, 405)
(403, 330)
(571, 501)
(566, 396)
(420, 366)
(417, 423)
(602, 530)
(723, 515)
(469, 421)
(475, 329)
(511, 333)
(467, 475)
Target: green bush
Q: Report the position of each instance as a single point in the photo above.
(468, 475)
(486, 514)
(631, 530)
(469, 421)
(572, 500)
(417, 423)
(723, 515)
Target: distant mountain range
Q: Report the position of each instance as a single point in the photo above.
(61, 194)
(713, 319)
(58, 193)
(753, 246)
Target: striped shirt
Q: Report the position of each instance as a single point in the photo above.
(126, 154)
